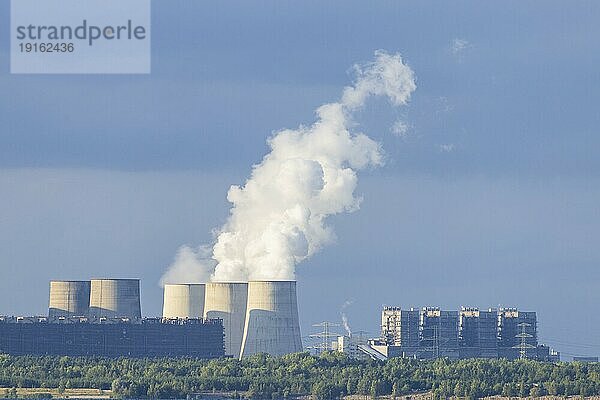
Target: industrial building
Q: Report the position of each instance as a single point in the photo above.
(103, 317)
(96, 299)
(400, 328)
(184, 301)
(438, 333)
(478, 333)
(354, 346)
(69, 298)
(585, 359)
(149, 337)
(115, 298)
(469, 333)
(517, 333)
(271, 323)
(227, 301)
(258, 316)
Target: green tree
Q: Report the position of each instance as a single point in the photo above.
(323, 390)
(535, 391)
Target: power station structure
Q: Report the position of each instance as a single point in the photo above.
(430, 332)
(102, 317)
(227, 301)
(69, 298)
(111, 337)
(257, 316)
(183, 300)
(271, 322)
(115, 298)
(95, 299)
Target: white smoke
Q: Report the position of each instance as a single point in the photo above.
(345, 323)
(190, 266)
(278, 217)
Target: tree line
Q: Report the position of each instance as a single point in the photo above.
(328, 376)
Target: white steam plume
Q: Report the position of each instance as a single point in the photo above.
(278, 218)
(345, 323)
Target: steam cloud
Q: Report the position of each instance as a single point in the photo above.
(278, 218)
(345, 323)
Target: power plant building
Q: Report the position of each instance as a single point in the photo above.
(353, 346)
(115, 298)
(400, 329)
(69, 298)
(151, 337)
(183, 301)
(478, 333)
(468, 333)
(103, 317)
(271, 323)
(439, 333)
(517, 333)
(227, 301)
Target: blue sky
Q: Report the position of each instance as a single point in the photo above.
(491, 198)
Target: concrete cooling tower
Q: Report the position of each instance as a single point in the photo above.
(183, 301)
(227, 300)
(69, 299)
(272, 324)
(115, 298)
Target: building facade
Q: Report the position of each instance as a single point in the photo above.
(478, 333)
(517, 333)
(438, 333)
(468, 333)
(400, 328)
(150, 337)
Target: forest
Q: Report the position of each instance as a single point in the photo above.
(328, 376)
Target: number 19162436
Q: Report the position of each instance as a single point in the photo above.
(46, 47)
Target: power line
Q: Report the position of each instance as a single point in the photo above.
(523, 346)
(324, 336)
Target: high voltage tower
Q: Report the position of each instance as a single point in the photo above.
(324, 336)
(523, 346)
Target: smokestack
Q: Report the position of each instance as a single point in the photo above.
(69, 298)
(183, 301)
(227, 301)
(115, 298)
(272, 324)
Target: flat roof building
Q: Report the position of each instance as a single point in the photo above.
(468, 333)
(116, 337)
(477, 333)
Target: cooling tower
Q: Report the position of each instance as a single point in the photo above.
(272, 324)
(183, 301)
(115, 298)
(69, 298)
(227, 301)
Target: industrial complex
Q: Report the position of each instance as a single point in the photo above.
(150, 337)
(102, 317)
(257, 316)
(430, 332)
